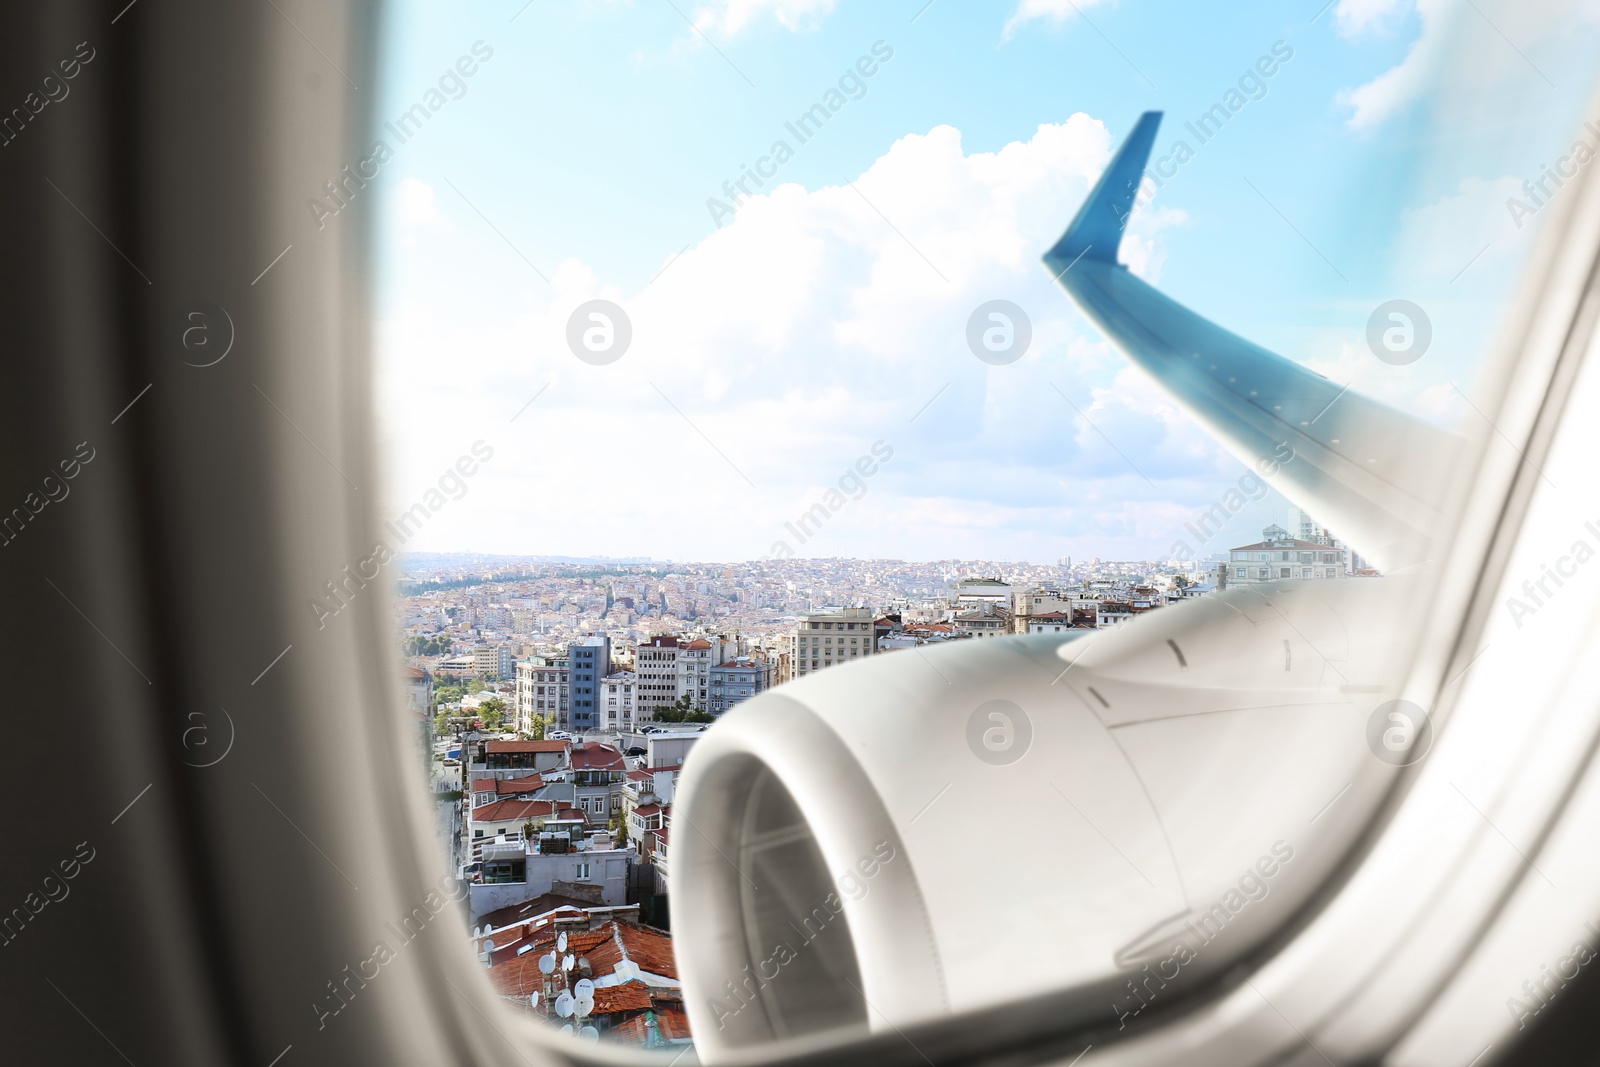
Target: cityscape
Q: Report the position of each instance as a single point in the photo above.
(559, 698)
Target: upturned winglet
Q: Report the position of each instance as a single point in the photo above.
(1374, 475)
(1097, 231)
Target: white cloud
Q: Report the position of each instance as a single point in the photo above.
(1053, 11)
(1437, 240)
(784, 344)
(727, 18)
(1466, 55)
(1353, 16)
(1389, 92)
(415, 206)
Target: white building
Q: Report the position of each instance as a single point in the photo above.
(670, 745)
(656, 664)
(541, 690)
(985, 620)
(561, 854)
(616, 700)
(834, 635)
(695, 660)
(978, 592)
(1278, 556)
(1303, 527)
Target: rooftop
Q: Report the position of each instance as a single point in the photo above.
(507, 810)
(527, 746)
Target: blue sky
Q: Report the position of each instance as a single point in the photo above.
(772, 349)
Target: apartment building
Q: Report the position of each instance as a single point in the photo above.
(736, 681)
(833, 635)
(1028, 606)
(589, 661)
(492, 662)
(597, 770)
(986, 620)
(617, 699)
(695, 660)
(541, 690)
(1279, 556)
(656, 664)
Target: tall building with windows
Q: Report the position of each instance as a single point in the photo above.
(617, 700)
(1303, 527)
(589, 661)
(492, 662)
(541, 691)
(656, 663)
(736, 681)
(834, 635)
(1278, 557)
(1039, 602)
(695, 660)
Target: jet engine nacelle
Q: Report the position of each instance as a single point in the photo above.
(942, 829)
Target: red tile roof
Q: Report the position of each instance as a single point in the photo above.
(647, 809)
(518, 976)
(597, 757)
(698, 644)
(629, 996)
(510, 787)
(649, 948)
(506, 810)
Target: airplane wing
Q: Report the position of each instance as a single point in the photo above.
(1371, 473)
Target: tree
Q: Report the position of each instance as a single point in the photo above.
(448, 694)
(676, 711)
(441, 722)
(493, 713)
(437, 645)
(475, 685)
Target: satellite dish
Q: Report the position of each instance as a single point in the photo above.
(534, 999)
(564, 1005)
(488, 946)
(583, 988)
(567, 1029)
(547, 963)
(589, 1032)
(567, 962)
(584, 1006)
(561, 942)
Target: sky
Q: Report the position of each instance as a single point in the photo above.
(785, 343)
